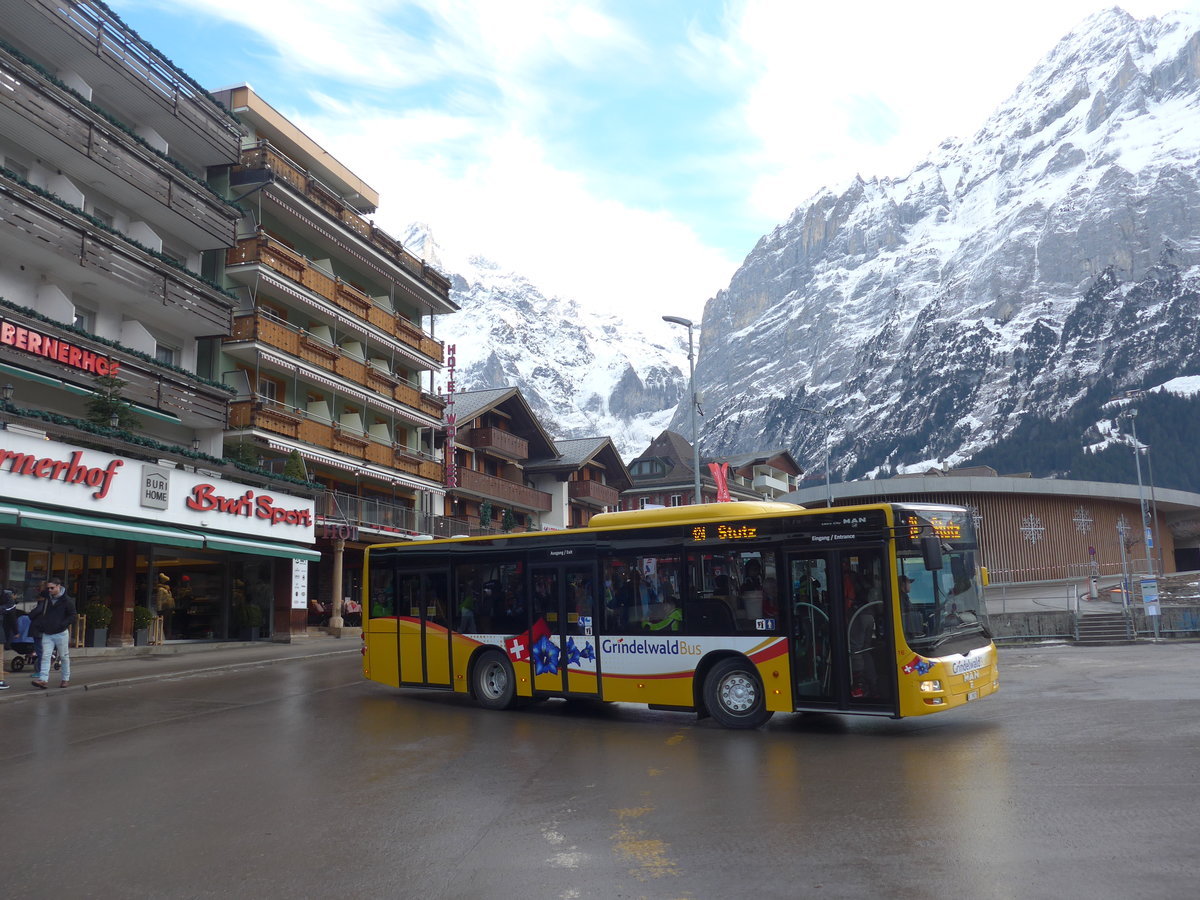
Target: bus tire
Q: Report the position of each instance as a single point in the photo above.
(734, 694)
(493, 682)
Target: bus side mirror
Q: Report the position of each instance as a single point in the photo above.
(931, 552)
(983, 576)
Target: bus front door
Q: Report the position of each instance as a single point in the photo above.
(812, 632)
(839, 631)
(562, 643)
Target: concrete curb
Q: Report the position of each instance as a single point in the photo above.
(187, 673)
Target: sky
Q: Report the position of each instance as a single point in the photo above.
(624, 153)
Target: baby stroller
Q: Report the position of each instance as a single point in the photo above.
(26, 649)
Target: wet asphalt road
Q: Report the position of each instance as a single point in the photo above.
(299, 779)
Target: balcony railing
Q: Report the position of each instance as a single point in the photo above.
(52, 236)
(380, 515)
(593, 493)
(276, 255)
(50, 109)
(130, 62)
(502, 442)
(298, 425)
(264, 156)
(507, 492)
(764, 483)
(297, 342)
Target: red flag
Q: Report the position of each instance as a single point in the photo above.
(720, 474)
(518, 647)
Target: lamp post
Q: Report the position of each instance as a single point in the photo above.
(687, 323)
(825, 418)
(1147, 539)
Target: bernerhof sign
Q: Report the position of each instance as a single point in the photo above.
(49, 472)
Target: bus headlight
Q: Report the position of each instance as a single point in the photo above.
(929, 687)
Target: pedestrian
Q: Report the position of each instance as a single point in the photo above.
(53, 618)
(8, 605)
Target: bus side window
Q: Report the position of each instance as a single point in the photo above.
(468, 606)
(434, 599)
(383, 593)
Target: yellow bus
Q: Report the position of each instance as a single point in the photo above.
(731, 610)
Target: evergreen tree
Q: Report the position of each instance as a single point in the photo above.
(294, 467)
(107, 402)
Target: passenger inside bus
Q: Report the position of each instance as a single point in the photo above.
(752, 593)
(865, 641)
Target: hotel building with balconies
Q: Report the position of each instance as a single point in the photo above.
(109, 233)
(331, 350)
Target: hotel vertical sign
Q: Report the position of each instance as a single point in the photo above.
(451, 420)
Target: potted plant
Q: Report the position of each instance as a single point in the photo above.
(99, 617)
(247, 619)
(142, 617)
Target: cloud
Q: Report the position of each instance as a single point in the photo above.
(627, 155)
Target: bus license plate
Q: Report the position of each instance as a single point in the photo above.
(972, 695)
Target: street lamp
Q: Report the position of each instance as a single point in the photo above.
(824, 414)
(1147, 539)
(687, 323)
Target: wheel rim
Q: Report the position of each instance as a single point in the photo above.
(738, 693)
(493, 681)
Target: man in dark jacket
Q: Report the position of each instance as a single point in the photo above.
(53, 617)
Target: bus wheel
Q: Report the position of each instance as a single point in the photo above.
(734, 695)
(493, 681)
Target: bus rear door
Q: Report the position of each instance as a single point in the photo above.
(424, 637)
(563, 643)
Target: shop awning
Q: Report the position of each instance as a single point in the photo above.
(100, 526)
(259, 548)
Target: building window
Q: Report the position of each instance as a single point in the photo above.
(165, 353)
(103, 216)
(174, 255)
(642, 502)
(268, 389)
(85, 320)
(16, 168)
(207, 354)
(677, 500)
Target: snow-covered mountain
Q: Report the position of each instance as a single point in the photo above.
(1037, 268)
(583, 373)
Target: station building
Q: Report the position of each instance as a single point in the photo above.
(1043, 529)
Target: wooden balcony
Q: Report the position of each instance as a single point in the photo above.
(265, 157)
(51, 237)
(267, 251)
(506, 493)
(502, 443)
(296, 424)
(84, 36)
(593, 493)
(153, 186)
(299, 343)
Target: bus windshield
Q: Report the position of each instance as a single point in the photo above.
(943, 608)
